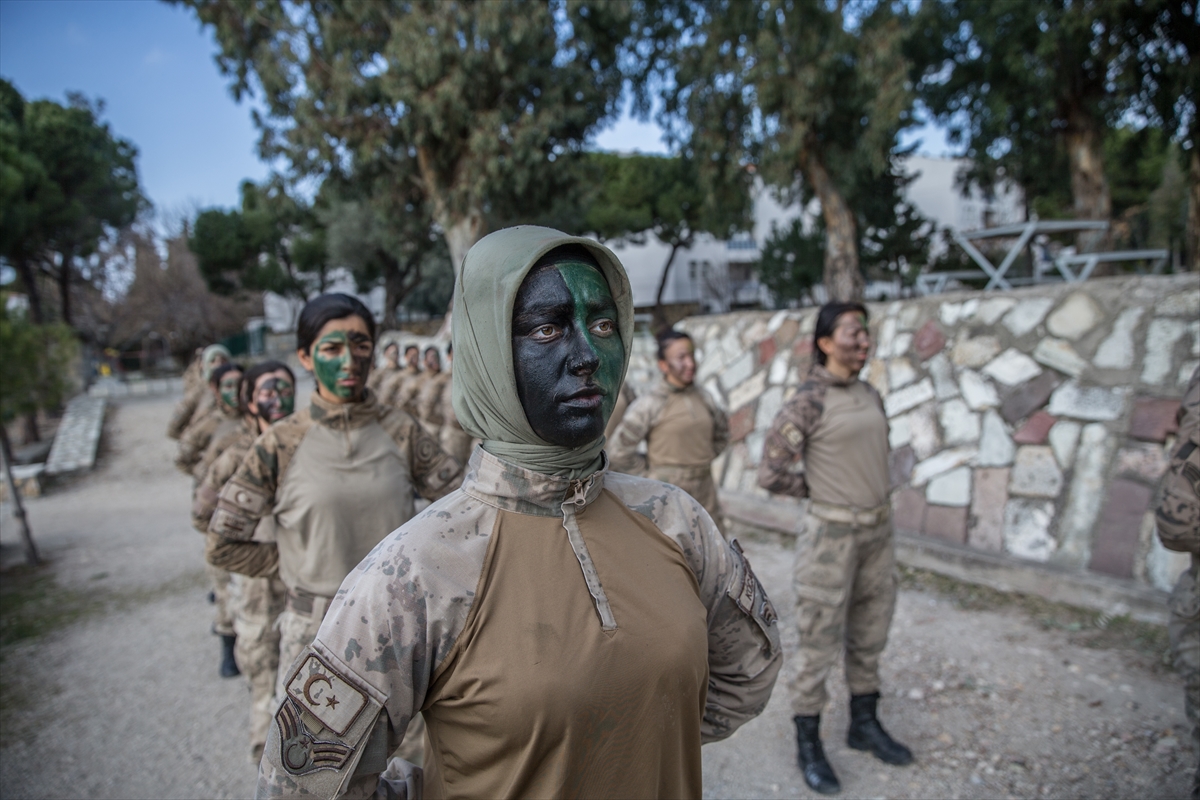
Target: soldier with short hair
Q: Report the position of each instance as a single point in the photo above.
(834, 427)
(428, 402)
(683, 427)
(197, 399)
(563, 630)
(1177, 518)
(385, 371)
(222, 417)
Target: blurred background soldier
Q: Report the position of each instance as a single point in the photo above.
(197, 398)
(454, 439)
(222, 417)
(389, 368)
(626, 397)
(268, 394)
(389, 390)
(683, 428)
(1178, 522)
(845, 573)
(406, 396)
(429, 400)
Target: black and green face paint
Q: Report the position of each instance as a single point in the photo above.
(228, 389)
(275, 399)
(567, 352)
(341, 362)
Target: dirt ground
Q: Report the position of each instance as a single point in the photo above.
(110, 685)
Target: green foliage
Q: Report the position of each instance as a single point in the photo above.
(35, 363)
(792, 261)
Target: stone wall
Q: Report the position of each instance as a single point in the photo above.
(1033, 423)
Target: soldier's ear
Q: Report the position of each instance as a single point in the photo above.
(305, 359)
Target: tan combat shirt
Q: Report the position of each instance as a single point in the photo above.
(335, 479)
(429, 400)
(562, 639)
(199, 435)
(682, 428)
(837, 429)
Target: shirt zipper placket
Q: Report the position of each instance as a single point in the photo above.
(570, 507)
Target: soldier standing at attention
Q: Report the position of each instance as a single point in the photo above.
(429, 399)
(454, 439)
(563, 630)
(845, 561)
(389, 390)
(222, 417)
(683, 428)
(268, 394)
(1178, 521)
(335, 477)
(197, 398)
(389, 368)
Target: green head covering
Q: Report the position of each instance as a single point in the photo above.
(209, 355)
(485, 385)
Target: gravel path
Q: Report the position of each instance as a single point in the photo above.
(126, 702)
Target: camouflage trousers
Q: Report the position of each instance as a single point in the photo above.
(845, 582)
(258, 602)
(219, 580)
(1184, 630)
(297, 628)
(696, 481)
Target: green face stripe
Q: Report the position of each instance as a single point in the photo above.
(596, 316)
(228, 389)
(330, 371)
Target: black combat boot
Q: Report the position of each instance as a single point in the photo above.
(229, 667)
(867, 734)
(817, 772)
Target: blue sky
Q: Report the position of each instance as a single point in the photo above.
(153, 66)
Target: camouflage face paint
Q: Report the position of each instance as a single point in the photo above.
(275, 399)
(228, 389)
(596, 317)
(341, 362)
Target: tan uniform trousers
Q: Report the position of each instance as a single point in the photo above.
(696, 481)
(1183, 628)
(258, 602)
(298, 626)
(219, 580)
(845, 582)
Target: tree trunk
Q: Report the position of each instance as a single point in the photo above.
(1089, 187)
(1191, 236)
(64, 288)
(461, 233)
(29, 279)
(660, 315)
(842, 278)
(31, 553)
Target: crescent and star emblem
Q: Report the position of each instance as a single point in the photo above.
(308, 685)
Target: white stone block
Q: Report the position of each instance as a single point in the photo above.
(993, 309)
(903, 341)
(754, 447)
(1116, 351)
(768, 407)
(943, 377)
(1180, 304)
(777, 321)
(900, 373)
(883, 342)
(1012, 367)
(1095, 403)
(949, 313)
(875, 373)
(1086, 495)
(909, 316)
(1035, 473)
(977, 391)
(952, 488)
(996, 447)
(975, 352)
(899, 433)
(738, 371)
(909, 397)
(1076, 316)
(1064, 436)
(735, 468)
(1161, 337)
(779, 369)
(941, 463)
(1163, 566)
(1185, 372)
(1058, 354)
(959, 424)
(1027, 315)
(748, 391)
(1194, 330)
(1027, 529)
(923, 431)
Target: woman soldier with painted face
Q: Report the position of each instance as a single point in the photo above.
(334, 478)
(563, 631)
(267, 394)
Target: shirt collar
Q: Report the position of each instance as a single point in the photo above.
(505, 485)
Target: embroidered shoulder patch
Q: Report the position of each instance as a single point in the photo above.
(319, 690)
(791, 433)
(299, 752)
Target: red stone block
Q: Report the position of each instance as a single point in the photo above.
(948, 523)
(803, 346)
(1153, 419)
(1116, 537)
(766, 350)
(1029, 396)
(786, 335)
(908, 510)
(1036, 429)
(929, 341)
(900, 465)
(741, 422)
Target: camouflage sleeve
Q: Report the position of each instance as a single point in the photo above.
(406, 394)
(1177, 516)
(744, 651)
(252, 559)
(639, 419)
(204, 499)
(183, 414)
(250, 493)
(783, 449)
(720, 425)
(192, 444)
(390, 631)
(435, 472)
